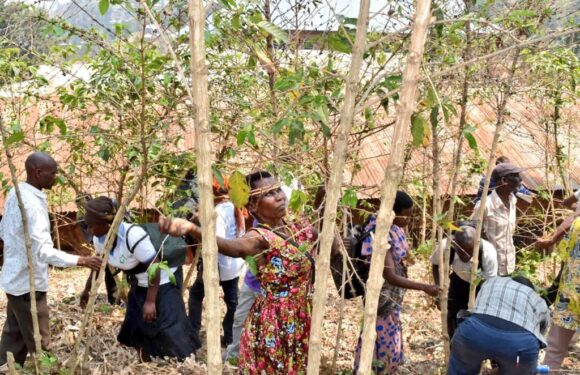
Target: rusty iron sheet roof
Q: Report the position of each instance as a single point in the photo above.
(524, 140)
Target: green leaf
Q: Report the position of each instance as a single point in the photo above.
(468, 134)
(152, 272)
(241, 137)
(286, 83)
(369, 118)
(239, 189)
(418, 126)
(339, 44)
(252, 264)
(349, 198)
(434, 116)
(279, 125)
(103, 6)
(48, 123)
(218, 175)
(277, 32)
(297, 200)
(165, 267)
(14, 138)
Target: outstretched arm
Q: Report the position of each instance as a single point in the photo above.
(402, 282)
(250, 244)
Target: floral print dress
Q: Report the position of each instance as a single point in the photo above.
(388, 354)
(276, 332)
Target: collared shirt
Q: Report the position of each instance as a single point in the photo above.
(225, 226)
(507, 299)
(14, 278)
(122, 258)
(463, 269)
(499, 223)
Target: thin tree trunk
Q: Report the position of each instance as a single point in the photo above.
(406, 107)
(204, 161)
(506, 93)
(333, 191)
(11, 364)
(28, 246)
(119, 217)
(444, 256)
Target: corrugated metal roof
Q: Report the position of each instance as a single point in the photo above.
(523, 140)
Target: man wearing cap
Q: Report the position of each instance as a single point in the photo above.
(523, 193)
(499, 217)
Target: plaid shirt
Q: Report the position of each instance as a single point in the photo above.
(509, 300)
(499, 223)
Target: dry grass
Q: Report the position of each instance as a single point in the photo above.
(421, 330)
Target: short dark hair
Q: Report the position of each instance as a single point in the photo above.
(254, 177)
(502, 159)
(403, 201)
(524, 281)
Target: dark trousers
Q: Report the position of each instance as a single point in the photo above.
(515, 352)
(196, 295)
(458, 299)
(18, 334)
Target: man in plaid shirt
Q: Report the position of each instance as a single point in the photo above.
(507, 325)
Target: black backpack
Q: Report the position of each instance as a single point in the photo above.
(357, 268)
(173, 252)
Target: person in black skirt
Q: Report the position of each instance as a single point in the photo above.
(155, 322)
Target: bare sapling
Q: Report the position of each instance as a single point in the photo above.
(27, 245)
(500, 121)
(406, 107)
(334, 189)
(200, 107)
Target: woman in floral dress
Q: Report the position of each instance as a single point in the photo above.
(388, 354)
(275, 337)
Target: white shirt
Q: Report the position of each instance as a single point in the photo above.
(499, 223)
(120, 256)
(463, 269)
(225, 227)
(14, 279)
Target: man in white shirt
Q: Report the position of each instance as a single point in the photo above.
(499, 217)
(18, 335)
(461, 252)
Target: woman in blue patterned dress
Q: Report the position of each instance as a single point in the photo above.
(388, 353)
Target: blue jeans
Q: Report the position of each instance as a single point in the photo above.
(475, 341)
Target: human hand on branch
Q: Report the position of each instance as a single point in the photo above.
(178, 227)
(94, 263)
(432, 290)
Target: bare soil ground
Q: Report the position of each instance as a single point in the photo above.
(422, 327)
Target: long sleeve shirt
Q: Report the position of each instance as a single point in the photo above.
(14, 278)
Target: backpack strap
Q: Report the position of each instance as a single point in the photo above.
(129, 247)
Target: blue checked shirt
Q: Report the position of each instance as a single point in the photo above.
(509, 300)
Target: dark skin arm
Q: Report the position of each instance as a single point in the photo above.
(557, 235)
(88, 285)
(248, 245)
(570, 202)
(149, 307)
(402, 282)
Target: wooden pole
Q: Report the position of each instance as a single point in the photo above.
(27, 245)
(204, 161)
(333, 191)
(393, 173)
(500, 121)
